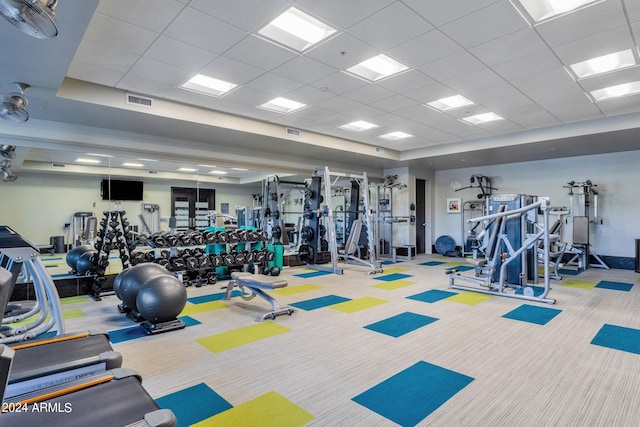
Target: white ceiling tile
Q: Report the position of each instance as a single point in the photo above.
(611, 79)
(512, 46)
(180, 54)
(440, 12)
(610, 41)
(395, 103)
(369, 94)
(509, 104)
(91, 73)
(458, 64)
(308, 95)
(406, 81)
(528, 65)
(104, 56)
(430, 93)
(259, 53)
(633, 9)
(160, 72)
(534, 119)
(119, 34)
(250, 15)
(571, 110)
(582, 23)
(338, 104)
(204, 31)
(339, 83)
(548, 81)
(231, 71)
(188, 97)
(314, 113)
(150, 14)
(424, 49)
(625, 105)
(340, 13)
(273, 84)
(249, 96)
(364, 112)
(304, 70)
(378, 32)
(473, 81)
(342, 51)
(493, 22)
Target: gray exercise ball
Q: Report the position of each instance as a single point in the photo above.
(133, 280)
(85, 264)
(74, 254)
(161, 298)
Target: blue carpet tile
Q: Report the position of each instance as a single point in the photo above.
(618, 338)
(533, 314)
(401, 324)
(569, 272)
(391, 277)
(194, 404)
(212, 297)
(312, 274)
(461, 268)
(616, 286)
(431, 263)
(411, 395)
(313, 304)
(432, 296)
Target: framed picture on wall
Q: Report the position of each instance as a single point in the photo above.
(453, 205)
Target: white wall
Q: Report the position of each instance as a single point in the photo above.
(38, 205)
(617, 176)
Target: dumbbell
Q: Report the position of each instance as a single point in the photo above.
(223, 237)
(177, 263)
(241, 258)
(204, 261)
(197, 238)
(191, 263)
(228, 259)
(234, 237)
(210, 238)
(216, 260)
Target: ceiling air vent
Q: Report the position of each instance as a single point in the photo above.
(58, 165)
(139, 100)
(152, 172)
(379, 150)
(292, 132)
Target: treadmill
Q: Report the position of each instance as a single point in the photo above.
(113, 398)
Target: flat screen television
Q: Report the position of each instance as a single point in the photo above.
(120, 189)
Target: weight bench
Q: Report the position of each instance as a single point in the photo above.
(257, 284)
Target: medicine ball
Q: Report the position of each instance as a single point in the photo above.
(133, 280)
(75, 253)
(161, 298)
(274, 271)
(84, 264)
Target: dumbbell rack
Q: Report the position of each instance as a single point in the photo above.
(114, 232)
(238, 249)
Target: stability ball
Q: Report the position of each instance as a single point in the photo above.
(134, 278)
(85, 264)
(161, 298)
(274, 271)
(75, 253)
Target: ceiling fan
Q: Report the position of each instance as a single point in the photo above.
(8, 151)
(5, 168)
(33, 17)
(13, 106)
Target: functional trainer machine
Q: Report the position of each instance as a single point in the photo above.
(492, 272)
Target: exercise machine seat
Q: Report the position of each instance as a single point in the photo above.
(257, 285)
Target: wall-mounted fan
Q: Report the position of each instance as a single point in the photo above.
(34, 17)
(13, 106)
(5, 168)
(8, 151)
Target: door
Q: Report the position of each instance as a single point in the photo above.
(189, 211)
(421, 216)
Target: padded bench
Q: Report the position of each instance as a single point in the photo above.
(257, 284)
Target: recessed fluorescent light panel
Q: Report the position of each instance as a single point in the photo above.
(187, 170)
(208, 85)
(482, 118)
(133, 165)
(540, 10)
(395, 136)
(358, 126)
(283, 105)
(617, 91)
(449, 103)
(88, 161)
(239, 169)
(99, 155)
(604, 64)
(297, 30)
(218, 172)
(378, 67)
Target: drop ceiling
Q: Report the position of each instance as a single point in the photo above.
(484, 50)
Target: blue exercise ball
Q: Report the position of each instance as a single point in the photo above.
(161, 298)
(134, 277)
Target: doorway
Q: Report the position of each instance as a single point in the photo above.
(191, 206)
(423, 242)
